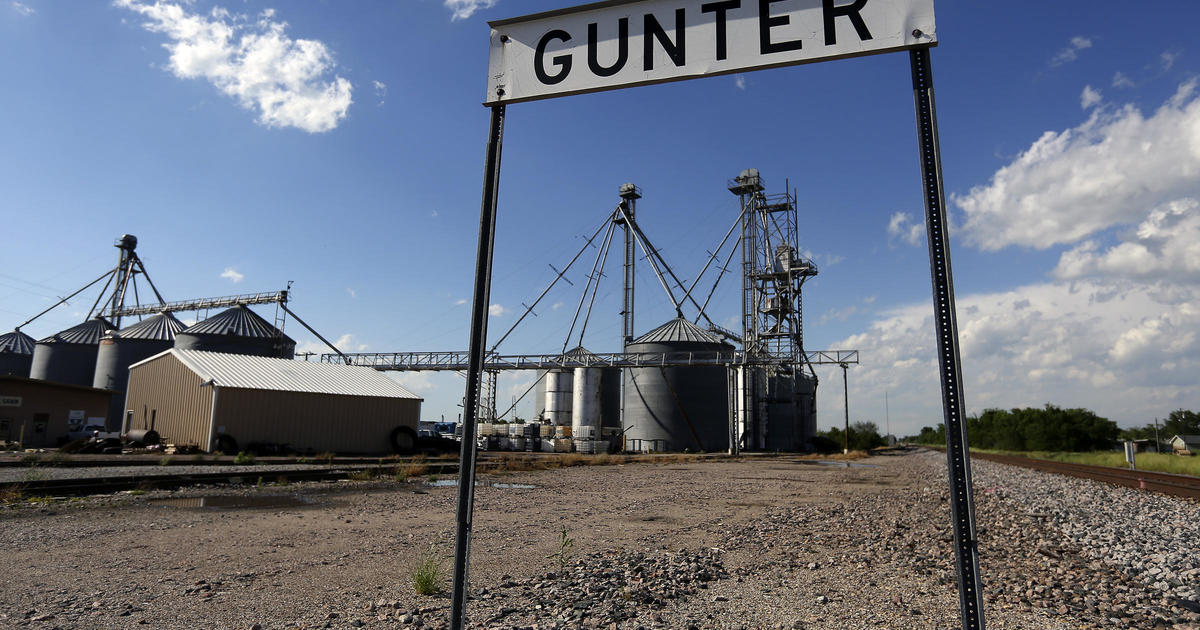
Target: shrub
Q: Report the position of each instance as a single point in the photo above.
(244, 459)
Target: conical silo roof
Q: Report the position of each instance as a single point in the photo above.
(238, 321)
(16, 342)
(579, 352)
(679, 329)
(161, 327)
(88, 333)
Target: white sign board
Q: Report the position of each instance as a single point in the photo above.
(10, 401)
(622, 43)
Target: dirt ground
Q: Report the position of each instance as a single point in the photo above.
(802, 545)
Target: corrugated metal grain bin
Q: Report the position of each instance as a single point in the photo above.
(16, 353)
(70, 356)
(237, 330)
(231, 402)
(121, 349)
(677, 408)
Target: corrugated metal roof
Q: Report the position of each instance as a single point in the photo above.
(679, 329)
(161, 327)
(87, 333)
(16, 342)
(242, 371)
(239, 321)
(579, 352)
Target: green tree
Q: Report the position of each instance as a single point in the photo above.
(1181, 422)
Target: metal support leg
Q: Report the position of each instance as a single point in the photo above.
(479, 315)
(962, 510)
(846, 407)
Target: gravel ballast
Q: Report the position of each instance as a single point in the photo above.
(759, 543)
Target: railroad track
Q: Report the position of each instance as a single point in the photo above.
(107, 485)
(1165, 483)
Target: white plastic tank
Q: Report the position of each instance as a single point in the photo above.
(558, 397)
(585, 400)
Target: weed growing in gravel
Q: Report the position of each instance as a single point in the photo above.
(244, 459)
(198, 457)
(414, 469)
(326, 458)
(30, 459)
(57, 458)
(33, 474)
(566, 544)
(137, 492)
(362, 475)
(12, 494)
(427, 576)
(165, 461)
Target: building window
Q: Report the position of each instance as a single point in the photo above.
(40, 420)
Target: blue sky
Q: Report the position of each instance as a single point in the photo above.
(251, 143)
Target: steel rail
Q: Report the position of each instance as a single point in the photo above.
(1164, 483)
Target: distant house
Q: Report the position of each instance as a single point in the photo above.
(1185, 444)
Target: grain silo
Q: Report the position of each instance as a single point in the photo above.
(16, 353)
(677, 408)
(121, 349)
(70, 356)
(238, 330)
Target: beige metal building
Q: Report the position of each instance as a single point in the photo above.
(41, 413)
(228, 402)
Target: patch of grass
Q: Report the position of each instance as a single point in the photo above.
(198, 457)
(137, 492)
(165, 461)
(326, 458)
(30, 459)
(57, 458)
(362, 475)
(433, 478)
(244, 459)
(427, 576)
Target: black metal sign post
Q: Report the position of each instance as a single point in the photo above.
(479, 315)
(962, 504)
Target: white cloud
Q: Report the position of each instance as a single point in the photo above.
(1071, 52)
(346, 343)
(1108, 171)
(255, 62)
(232, 274)
(351, 292)
(1125, 350)
(433, 214)
(1121, 81)
(740, 82)
(460, 301)
(413, 381)
(902, 226)
(1168, 59)
(496, 310)
(380, 91)
(556, 306)
(463, 9)
(1090, 97)
(1165, 246)
(23, 9)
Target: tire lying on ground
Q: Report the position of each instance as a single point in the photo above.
(226, 444)
(403, 440)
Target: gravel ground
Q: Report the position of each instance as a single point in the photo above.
(768, 543)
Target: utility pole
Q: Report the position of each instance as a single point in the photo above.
(887, 413)
(1156, 442)
(846, 405)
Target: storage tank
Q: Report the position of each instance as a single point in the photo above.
(558, 396)
(70, 356)
(677, 408)
(585, 403)
(16, 353)
(238, 330)
(121, 349)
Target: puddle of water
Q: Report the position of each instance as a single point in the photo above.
(232, 502)
(444, 483)
(835, 463)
